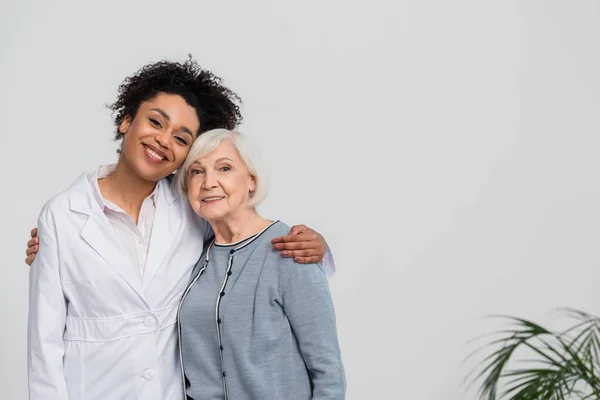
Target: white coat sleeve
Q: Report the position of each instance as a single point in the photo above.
(46, 322)
(328, 264)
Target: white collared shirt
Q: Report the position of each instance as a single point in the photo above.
(135, 239)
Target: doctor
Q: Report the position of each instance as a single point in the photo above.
(116, 249)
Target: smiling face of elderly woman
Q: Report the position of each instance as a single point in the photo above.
(221, 181)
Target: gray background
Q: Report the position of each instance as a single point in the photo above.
(448, 150)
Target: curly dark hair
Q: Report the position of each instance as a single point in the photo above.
(216, 105)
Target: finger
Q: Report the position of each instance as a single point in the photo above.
(306, 260)
(285, 239)
(293, 246)
(33, 242)
(29, 259)
(297, 229)
(298, 253)
(302, 237)
(33, 232)
(31, 250)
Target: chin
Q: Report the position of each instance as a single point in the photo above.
(210, 217)
(153, 174)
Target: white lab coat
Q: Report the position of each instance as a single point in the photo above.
(96, 330)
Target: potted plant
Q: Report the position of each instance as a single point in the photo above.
(526, 361)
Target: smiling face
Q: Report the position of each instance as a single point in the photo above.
(219, 184)
(157, 140)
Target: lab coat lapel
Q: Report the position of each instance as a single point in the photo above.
(100, 235)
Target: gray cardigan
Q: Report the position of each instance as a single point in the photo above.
(275, 323)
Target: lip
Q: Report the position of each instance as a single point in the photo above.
(216, 198)
(155, 150)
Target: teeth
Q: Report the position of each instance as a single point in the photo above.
(154, 154)
(212, 198)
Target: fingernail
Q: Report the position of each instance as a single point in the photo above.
(284, 253)
(277, 246)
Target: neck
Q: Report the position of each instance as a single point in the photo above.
(126, 189)
(238, 227)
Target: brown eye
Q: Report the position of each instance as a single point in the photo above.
(155, 122)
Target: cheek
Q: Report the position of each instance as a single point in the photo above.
(180, 153)
(238, 187)
(135, 130)
(131, 138)
(193, 198)
(129, 147)
(193, 186)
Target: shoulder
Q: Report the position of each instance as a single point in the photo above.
(60, 204)
(276, 229)
(285, 265)
(263, 241)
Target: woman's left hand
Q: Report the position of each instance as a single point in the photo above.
(305, 245)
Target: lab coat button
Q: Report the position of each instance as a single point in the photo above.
(148, 321)
(149, 374)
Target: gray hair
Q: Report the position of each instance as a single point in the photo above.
(206, 143)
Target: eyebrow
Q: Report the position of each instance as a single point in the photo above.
(166, 116)
(197, 162)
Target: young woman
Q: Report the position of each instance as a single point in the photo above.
(116, 249)
(252, 325)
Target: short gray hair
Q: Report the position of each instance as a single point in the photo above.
(206, 143)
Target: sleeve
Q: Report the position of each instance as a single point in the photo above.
(309, 308)
(46, 321)
(328, 264)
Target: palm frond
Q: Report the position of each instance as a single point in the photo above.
(566, 364)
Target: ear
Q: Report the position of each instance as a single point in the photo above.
(124, 127)
(252, 186)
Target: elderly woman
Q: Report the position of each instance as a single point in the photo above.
(251, 325)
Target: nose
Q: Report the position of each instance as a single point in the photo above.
(210, 182)
(163, 139)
